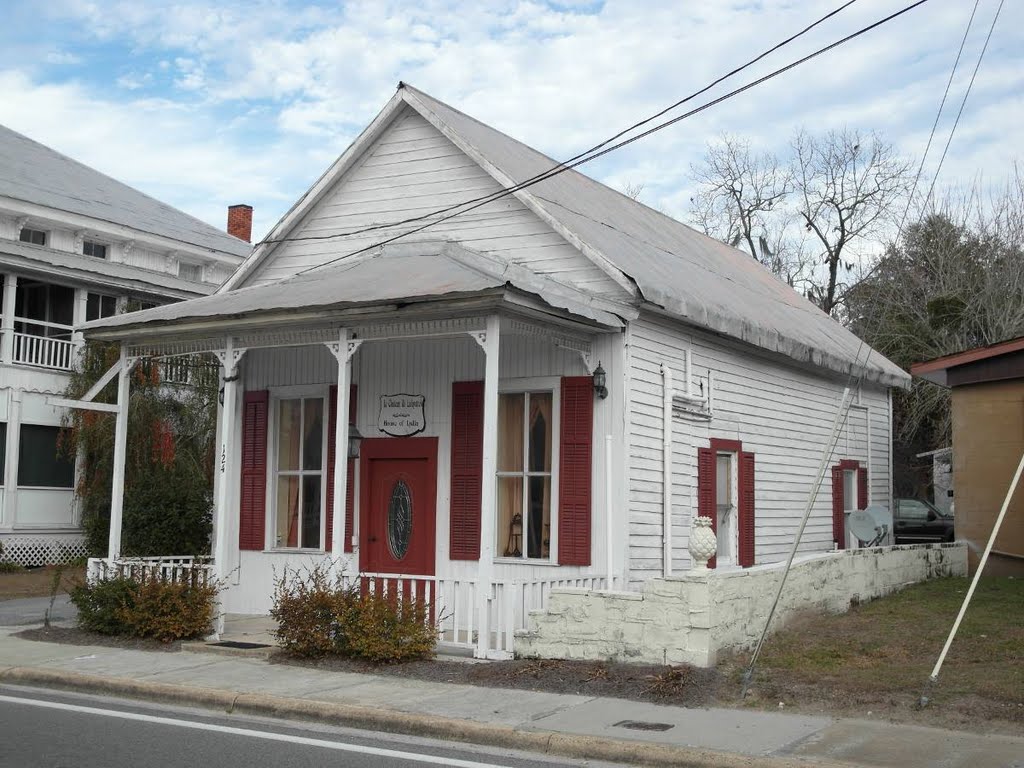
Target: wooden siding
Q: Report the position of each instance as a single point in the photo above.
(780, 412)
(428, 367)
(414, 170)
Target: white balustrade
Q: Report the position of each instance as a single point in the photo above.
(44, 352)
(175, 569)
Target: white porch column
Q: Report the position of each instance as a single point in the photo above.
(10, 298)
(79, 314)
(120, 440)
(340, 490)
(226, 459)
(488, 496)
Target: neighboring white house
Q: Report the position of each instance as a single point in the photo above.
(548, 386)
(75, 245)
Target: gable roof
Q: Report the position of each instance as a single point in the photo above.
(671, 266)
(34, 173)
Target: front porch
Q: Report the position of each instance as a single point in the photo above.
(474, 471)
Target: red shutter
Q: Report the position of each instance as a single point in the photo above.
(574, 470)
(706, 491)
(838, 508)
(252, 516)
(332, 425)
(862, 488)
(467, 469)
(746, 509)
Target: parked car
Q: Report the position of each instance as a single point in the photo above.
(916, 521)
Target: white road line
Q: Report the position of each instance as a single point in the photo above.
(321, 743)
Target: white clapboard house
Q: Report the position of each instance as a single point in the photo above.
(75, 245)
(543, 390)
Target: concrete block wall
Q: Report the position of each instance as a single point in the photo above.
(692, 617)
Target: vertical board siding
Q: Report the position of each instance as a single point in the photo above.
(781, 413)
(414, 170)
(428, 367)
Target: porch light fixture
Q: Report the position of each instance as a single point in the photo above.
(355, 437)
(599, 382)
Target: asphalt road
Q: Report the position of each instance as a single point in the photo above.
(47, 729)
(31, 610)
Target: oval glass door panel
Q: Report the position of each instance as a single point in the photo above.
(399, 520)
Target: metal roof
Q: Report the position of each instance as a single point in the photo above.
(936, 370)
(404, 273)
(690, 275)
(34, 173)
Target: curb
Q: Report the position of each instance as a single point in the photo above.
(392, 721)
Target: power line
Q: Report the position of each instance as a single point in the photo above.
(963, 102)
(502, 192)
(661, 126)
(931, 135)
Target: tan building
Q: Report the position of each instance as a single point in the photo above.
(988, 439)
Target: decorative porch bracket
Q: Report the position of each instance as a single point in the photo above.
(480, 337)
(343, 349)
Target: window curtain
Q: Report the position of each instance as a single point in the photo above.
(539, 529)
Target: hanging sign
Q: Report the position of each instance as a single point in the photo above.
(401, 415)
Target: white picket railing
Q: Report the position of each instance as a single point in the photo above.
(44, 352)
(452, 604)
(174, 569)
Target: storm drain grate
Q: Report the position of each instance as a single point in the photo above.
(641, 725)
(237, 644)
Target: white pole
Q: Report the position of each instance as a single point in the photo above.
(340, 490)
(488, 491)
(819, 476)
(666, 472)
(609, 509)
(120, 445)
(981, 567)
(226, 451)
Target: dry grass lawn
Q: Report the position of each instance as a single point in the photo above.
(877, 658)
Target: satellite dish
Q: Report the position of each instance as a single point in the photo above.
(883, 522)
(862, 525)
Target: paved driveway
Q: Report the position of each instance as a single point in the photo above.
(31, 610)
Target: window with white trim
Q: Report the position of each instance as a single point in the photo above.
(527, 458)
(33, 236)
(98, 305)
(94, 249)
(299, 474)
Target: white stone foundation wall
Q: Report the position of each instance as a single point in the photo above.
(692, 617)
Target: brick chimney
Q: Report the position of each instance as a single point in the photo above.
(240, 222)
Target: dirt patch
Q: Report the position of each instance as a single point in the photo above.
(38, 582)
(679, 685)
(76, 636)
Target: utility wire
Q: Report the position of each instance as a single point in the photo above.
(963, 102)
(561, 169)
(931, 135)
(540, 176)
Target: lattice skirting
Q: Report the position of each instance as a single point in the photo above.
(42, 550)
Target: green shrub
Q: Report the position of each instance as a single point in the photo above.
(318, 616)
(161, 610)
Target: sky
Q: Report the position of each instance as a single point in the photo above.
(204, 104)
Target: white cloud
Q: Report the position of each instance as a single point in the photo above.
(273, 90)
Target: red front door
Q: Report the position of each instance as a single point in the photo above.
(398, 499)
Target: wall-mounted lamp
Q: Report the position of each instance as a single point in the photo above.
(599, 382)
(355, 437)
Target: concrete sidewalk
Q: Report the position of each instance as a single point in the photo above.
(575, 726)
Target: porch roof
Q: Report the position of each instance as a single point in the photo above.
(401, 274)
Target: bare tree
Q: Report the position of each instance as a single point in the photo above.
(847, 190)
(740, 199)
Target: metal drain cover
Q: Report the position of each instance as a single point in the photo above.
(237, 644)
(641, 725)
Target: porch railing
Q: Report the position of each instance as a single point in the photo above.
(453, 604)
(44, 351)
(173, 569)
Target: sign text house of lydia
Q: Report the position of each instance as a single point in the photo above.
(401, 415)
